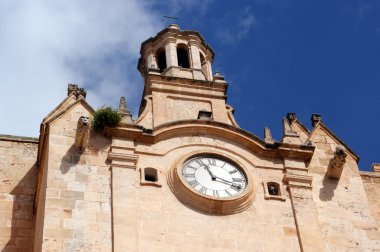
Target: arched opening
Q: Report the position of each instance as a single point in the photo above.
(183, 56)
(161, 59)
(273, 189)
(150, 174)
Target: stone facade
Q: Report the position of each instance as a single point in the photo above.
(122, 189)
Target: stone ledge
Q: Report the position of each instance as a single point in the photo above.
(21, 139)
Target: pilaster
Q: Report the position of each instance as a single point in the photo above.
(305, 213)
(124, 204)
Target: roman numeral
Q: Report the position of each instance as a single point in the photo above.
(237, 180)
(203, 190)
(189, 175)
(200, 162)
(215, 193)
(193, 183)
(191, 167)
(211, 161)
(233, 171)
(228, 193)
(236, 187)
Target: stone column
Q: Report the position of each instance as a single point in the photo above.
(305, 213)
(171, 53)
(209, 69)
(124, 204)
(196, 61)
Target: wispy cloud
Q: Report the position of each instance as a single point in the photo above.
(235, 26)
(47, 44)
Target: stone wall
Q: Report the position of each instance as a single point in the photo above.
(155, 220)
(77, 211)
(18, 179)
(343, 209)
(371, 181)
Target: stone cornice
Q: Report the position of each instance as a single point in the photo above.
(212, 129)
(20, 139)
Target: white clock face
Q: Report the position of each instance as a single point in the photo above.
(214, 176)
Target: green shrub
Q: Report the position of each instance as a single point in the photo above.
(106, 117)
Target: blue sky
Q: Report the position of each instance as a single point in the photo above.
(278, 57)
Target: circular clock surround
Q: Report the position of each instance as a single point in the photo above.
(212, 182)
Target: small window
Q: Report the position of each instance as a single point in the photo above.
(205, 115)
(161, 59)
(272, 190)
(150, 176)
(183, 57)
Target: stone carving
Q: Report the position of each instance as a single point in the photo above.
(76, 90)
(335, 168)
(291, 117)
(315, 118)
(83, 130)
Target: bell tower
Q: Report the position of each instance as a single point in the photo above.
(178, 80)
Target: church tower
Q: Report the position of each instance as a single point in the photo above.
(183, 176)
(179, 84)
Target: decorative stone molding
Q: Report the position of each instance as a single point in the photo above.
(82, 134)
(294, 180)
(122, 157)
(76, 90)
(335, 168)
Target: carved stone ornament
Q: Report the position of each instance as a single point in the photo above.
(83, 130)
(198, 199)
(335, 168)
(76, 90)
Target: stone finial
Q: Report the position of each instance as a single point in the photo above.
(174, 26)
(375, 167)
(218, 77)
(335, 168)
(76, 90)
(315, 118)
(127, 116)
(82, 134)
(71, 88)
(268, 136)
(291, 117)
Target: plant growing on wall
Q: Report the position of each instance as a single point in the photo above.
(106, 117)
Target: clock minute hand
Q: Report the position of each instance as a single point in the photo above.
(230, 182)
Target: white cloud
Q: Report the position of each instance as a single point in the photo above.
(235, 26)
(46, 44)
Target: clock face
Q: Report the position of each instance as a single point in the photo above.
(214, 176)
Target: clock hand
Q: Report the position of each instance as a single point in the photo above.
(229, 182)
(209, 171)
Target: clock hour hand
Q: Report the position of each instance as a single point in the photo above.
(209, 171)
